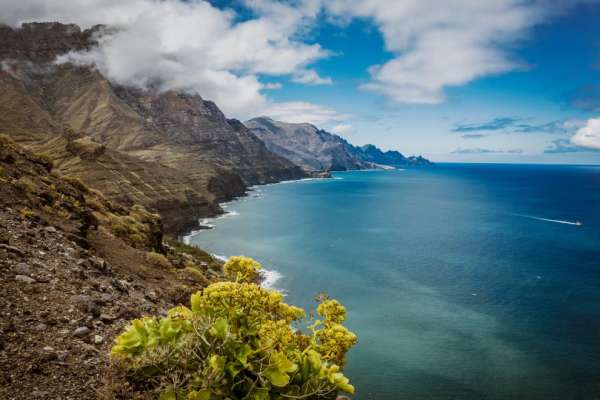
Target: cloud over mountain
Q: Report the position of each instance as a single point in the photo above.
(190, 46)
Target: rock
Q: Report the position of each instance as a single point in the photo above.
(107, 318)
(22, 269)
(12, 249)
(151, 295)
(39, 394)
(86, 304)
(50, 229)
(24, 279)
(98, 339)
(82, 331)
(342, 398)
(121, 284)
(41, 327)
(49, 354)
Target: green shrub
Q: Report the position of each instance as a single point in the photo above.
(240, 268)
(158, 260)
(236, 341)
(196, 275)
(26, 213)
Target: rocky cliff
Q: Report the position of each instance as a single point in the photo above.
(317, 150)
(305, 145)
(172, 152)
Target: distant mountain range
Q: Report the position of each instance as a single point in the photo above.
(317, 150)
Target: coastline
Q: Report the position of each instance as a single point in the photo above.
(267, 277)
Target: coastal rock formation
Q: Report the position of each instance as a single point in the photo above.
(317, 150)
(175, 153)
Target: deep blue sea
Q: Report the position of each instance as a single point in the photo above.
(462, 281)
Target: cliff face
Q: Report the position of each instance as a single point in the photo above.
(305, 145)
(172, 152)
(317, 150)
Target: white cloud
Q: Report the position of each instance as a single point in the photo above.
(310, 77)
(298, 112)
(196, 47)
(589, 135)
(189, 46)
(272, 86)
(342, 129)
(436, 45)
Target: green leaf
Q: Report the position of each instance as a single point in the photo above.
(196, 302)
(283, 364)
(242, 353)
(220, 328)
(260, 394)
(233, 368)
(203, 394)
(314, 359)
(277, 378)
(168, 394)
(343, 383)
(217, 363)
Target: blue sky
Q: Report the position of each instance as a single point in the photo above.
(560, 56)
(454, 80)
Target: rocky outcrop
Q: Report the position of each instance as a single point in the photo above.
(175, 153)
(317, 150)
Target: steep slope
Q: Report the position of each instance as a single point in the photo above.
(305, 145)
(74, 269)
(317, 150)
(168, 151)
(197, 130)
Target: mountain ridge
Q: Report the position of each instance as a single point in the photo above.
(316, 150)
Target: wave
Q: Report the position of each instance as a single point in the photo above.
(556, 221)
(220, 257)
(269, 277)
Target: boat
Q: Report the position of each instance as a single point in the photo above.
(578, 223)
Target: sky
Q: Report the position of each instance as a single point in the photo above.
(454, 80)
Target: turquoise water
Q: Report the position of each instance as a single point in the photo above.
(454, 286)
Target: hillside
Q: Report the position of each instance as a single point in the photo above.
(74, 269)
(317, 150)
(165, 150)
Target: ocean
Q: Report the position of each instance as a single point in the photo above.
(462, 281)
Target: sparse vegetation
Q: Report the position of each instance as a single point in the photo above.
(26, 213)
(236, 341)
(196, 275)
(158, 260)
